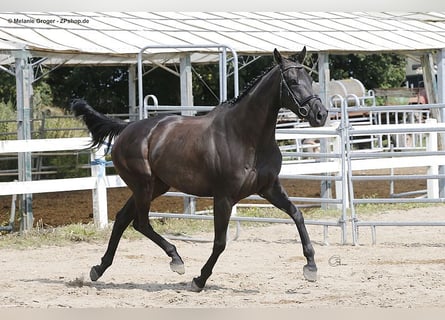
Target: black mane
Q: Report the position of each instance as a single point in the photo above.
(249, 86)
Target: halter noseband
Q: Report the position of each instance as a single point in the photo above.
(303, 108)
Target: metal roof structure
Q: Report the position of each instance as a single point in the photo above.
(116, 37)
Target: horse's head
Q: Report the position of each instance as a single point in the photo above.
(296, 90)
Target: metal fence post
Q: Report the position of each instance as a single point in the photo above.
(441, 99)
(98, 170)
(431, 145)
(324, 78)
(24, 79)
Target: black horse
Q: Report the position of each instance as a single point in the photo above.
(228, 154)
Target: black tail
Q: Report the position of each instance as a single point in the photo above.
(100, 126)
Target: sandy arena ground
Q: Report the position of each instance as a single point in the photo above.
(263, 268)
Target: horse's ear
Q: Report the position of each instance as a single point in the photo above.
(277, 56)
(300, 57)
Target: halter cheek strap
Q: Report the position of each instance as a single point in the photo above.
(303, 108)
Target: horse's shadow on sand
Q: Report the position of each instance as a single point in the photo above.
(148, 287)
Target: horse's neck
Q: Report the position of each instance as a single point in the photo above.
(257, 111)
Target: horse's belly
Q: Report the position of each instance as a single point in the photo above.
(188, 180)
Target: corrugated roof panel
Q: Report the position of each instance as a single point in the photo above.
(226, 15)
(343, 14)
(120, 23)
(7, 45)
(281, 42)
(173, 15)
(374, 39)
(134, 39)
(289, 25)
(435, 38)
(425, 16)
(199, 15)
(118, 33)
(238, 15)
(392, 38)
(31, 37)
(251, 39)
(174, 25)
(358, 24)
(383, 24)
(333, 25)
(70, 41)
(261, 25)
(96, 24)
(144, 15)
(408, 38)
(266, 15)
(235, 25)
(4, 23)
(324, 15)
(116, 14)
(306, 39)
(350, 39)
(312, 25)
(160, 38)
(232, 39)
(427, 26)
(194, 38)
(305, 16)
(207, 25)
(417, 39)
(325, 39)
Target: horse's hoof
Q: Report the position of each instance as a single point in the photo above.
(195, 287)
(178, 268)
(310, 274)
(94, 275)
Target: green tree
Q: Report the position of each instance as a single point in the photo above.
(386, 70)
(104, 87)
(7, 87)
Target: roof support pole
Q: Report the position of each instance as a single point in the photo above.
(441, 99)
(323, 79)
(432, 91)
(186, 85)
(429, 80)
(132, 92)
(223, 75)
(24, 78)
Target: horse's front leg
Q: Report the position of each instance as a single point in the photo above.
(221, 213)
(123, 219)
(278, 197)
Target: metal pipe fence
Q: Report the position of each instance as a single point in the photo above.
(425, 154)
(337, 166)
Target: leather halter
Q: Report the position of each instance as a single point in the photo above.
(303, 108)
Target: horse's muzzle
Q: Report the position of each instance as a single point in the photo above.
(319, 114)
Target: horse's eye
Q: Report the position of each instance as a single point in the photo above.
(293, 82)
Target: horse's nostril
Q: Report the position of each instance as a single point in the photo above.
(320, 116)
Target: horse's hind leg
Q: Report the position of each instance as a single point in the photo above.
(123, 219)
(278, 197)
(142, 224)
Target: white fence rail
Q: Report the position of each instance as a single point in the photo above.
(336, 164)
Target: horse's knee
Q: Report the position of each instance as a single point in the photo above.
(136, 225)
(219, 246)
(297, 215)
